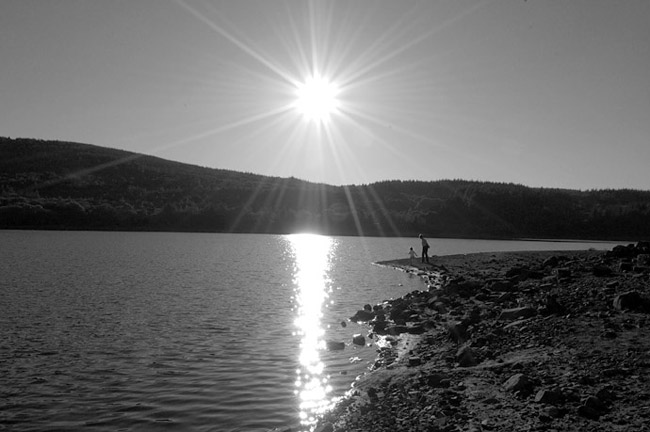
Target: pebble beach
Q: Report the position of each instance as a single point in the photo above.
(509, 341)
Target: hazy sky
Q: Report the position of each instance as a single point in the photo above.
(541, 92)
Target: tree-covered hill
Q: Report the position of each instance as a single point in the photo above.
(62, 185)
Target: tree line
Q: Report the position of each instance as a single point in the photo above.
(64, 185)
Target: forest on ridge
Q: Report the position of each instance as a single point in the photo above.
(64, 185)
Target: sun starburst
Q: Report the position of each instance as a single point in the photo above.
(316, 99)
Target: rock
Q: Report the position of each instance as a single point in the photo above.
(606, 395)
(463, 288)
(551, 262)
(415, 329)
(396, 330)
(362, 316)
(588, 412)
(438, 380)
(326, 427)
(334, 345)
(555, 412)
(472, 318)
(601, 271)
(550, 397)
(625, 266)
(552, 306)
(621, 251)
(506, 297)
(399, 313)
(466, 357)
(457, 332)
(517, 272)
(518, 383)
(437, 305)
(633, 301)
(344, 324)
(517, 313)
(380, 327)
(358, 339)
(415, 361)
(595, 403)
(500, 285)
(563, 272)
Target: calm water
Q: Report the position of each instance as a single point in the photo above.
(193, 332)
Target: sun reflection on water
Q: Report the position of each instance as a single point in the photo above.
(312, 286)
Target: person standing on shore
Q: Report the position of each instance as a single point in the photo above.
(425, 249)
(412, 255)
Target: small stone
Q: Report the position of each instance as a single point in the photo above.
(548, 397)
(415, 329)
(594, 403)
(487, 425)
(555, 412)
(605, 395)
(358, 339)
(601, 271)
(516, 313)
(457, 332)
(466, 357)
(551, 262)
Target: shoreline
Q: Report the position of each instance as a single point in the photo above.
(546, 340)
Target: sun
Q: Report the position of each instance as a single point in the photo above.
(316, 99)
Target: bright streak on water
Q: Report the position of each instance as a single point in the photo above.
(312, 285)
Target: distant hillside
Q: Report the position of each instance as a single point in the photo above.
(62, 185)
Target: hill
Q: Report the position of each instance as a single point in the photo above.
(63, 185)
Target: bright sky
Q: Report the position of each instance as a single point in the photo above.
(539, 92)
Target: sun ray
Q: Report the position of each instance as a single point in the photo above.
(353, 208)
(356, 71)
(245, 47)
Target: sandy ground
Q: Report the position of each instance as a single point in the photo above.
(525, 341)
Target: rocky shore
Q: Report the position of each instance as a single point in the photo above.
(514, 341)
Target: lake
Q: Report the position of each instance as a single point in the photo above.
(106, 331)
